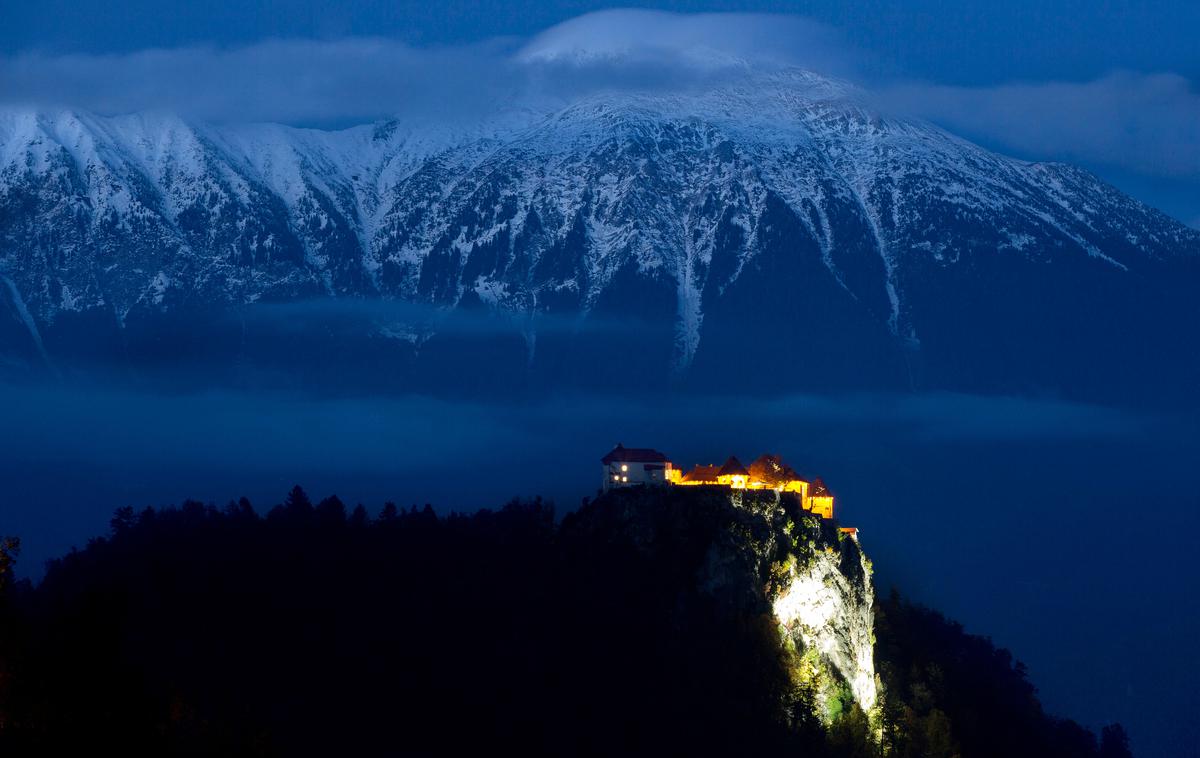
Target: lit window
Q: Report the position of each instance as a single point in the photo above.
(624, 478)
(624, 467)
(615, 477)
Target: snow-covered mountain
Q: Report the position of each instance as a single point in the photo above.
(619, 238)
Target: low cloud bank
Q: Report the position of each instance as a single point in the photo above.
(232, 428)
(70, 454)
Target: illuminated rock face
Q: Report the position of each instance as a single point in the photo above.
(755, 554)
(817, 582)
(828, 611)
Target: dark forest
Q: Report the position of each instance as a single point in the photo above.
(324, 630)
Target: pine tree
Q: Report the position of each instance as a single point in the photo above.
(122, 520)
(1114, 742)
(331, 511)
(10, 548)
(297, 502)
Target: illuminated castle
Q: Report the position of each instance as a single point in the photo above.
(631, 466)
(638, 466)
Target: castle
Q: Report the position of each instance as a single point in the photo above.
(635, 466)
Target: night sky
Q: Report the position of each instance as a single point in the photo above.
(1065, 532)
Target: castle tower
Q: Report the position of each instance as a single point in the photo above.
(820, 499)
(633, 466)
(733, 473)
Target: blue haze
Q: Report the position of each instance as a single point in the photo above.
(1065, 532)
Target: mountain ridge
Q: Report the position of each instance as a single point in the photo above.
(648, 206)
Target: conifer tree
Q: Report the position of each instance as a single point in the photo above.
(10, 548)
(297, 502)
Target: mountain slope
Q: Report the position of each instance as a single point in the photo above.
(778, 216)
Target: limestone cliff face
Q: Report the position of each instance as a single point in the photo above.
(756, 553)
(826, 611)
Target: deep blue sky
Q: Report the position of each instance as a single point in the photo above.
(964, 42)
(1113, 86)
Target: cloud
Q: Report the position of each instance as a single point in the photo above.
(153, 444)
(947, 416)
(702, 40)
(353, 80)
(1148, 123)
(657, 51)
(359, 316)
(1140, 122)
(288, 81)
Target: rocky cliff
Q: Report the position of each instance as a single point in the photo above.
(759, 552)
(652, 621)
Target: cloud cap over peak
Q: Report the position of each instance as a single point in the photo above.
(702, 39)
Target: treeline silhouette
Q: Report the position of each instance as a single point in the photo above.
(952, 693)
(314, 630)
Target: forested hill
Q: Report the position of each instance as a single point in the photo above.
(630, 627)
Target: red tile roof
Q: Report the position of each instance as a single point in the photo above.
(701, 474)
(733, 467)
